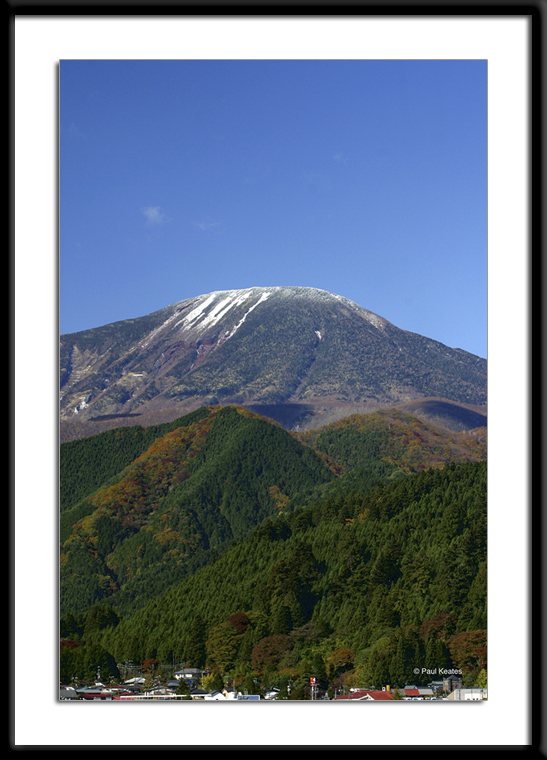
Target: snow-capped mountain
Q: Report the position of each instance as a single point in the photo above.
(284, 350)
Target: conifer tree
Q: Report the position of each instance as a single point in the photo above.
(195, 645)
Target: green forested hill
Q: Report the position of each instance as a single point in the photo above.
(358, 588)
(194, 489)
(387, 445)
(88, 463)
(397, 438)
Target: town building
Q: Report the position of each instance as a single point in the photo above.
(468, 695)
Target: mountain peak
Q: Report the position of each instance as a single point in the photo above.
(259, 346)
(210, 309)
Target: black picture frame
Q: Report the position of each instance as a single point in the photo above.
(527, 674)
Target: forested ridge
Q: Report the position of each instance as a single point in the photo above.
(194, 489)
(352, 558)
(89, 463)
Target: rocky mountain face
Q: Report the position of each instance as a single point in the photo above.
(299, 355)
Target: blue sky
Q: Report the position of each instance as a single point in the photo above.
(365, 178)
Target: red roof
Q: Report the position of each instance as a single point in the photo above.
(354, 694)
(362, 693)
(376, 695)
(412, 692)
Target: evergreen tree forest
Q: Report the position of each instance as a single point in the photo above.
(268, 557)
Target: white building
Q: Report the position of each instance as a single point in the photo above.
(468, 695)
(216, 696)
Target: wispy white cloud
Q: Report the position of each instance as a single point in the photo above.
(154, 215)
(205, 225)
(340, 158)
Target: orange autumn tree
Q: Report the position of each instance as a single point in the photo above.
(269, 651)
(468, 652)
(340, 660)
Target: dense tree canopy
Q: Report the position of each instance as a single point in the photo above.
(228, 544)
(361, 594)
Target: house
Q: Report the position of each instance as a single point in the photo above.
(435, 685)
(134, 682)
(132, 688)
(367, 695)
(67, 692)
(411, 694)
(97, 693)
(197, 693)
(216, 696)
(358, 694)
(159, 691)
(452, 682)
(192, 675)
(379, 696)
(468, 695)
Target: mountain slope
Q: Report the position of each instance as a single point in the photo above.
(194, 489)
(284, 348)
(141, 509)
(397, 437)
(397, 578)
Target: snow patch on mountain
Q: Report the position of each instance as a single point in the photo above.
(195, 313)
(213, 307)
(157, 330)
(217, 313)
(262, 298)
(84, 403)
(203, 316)
(374, 319)
(224, 307)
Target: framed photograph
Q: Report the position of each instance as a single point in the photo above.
(305, 231)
